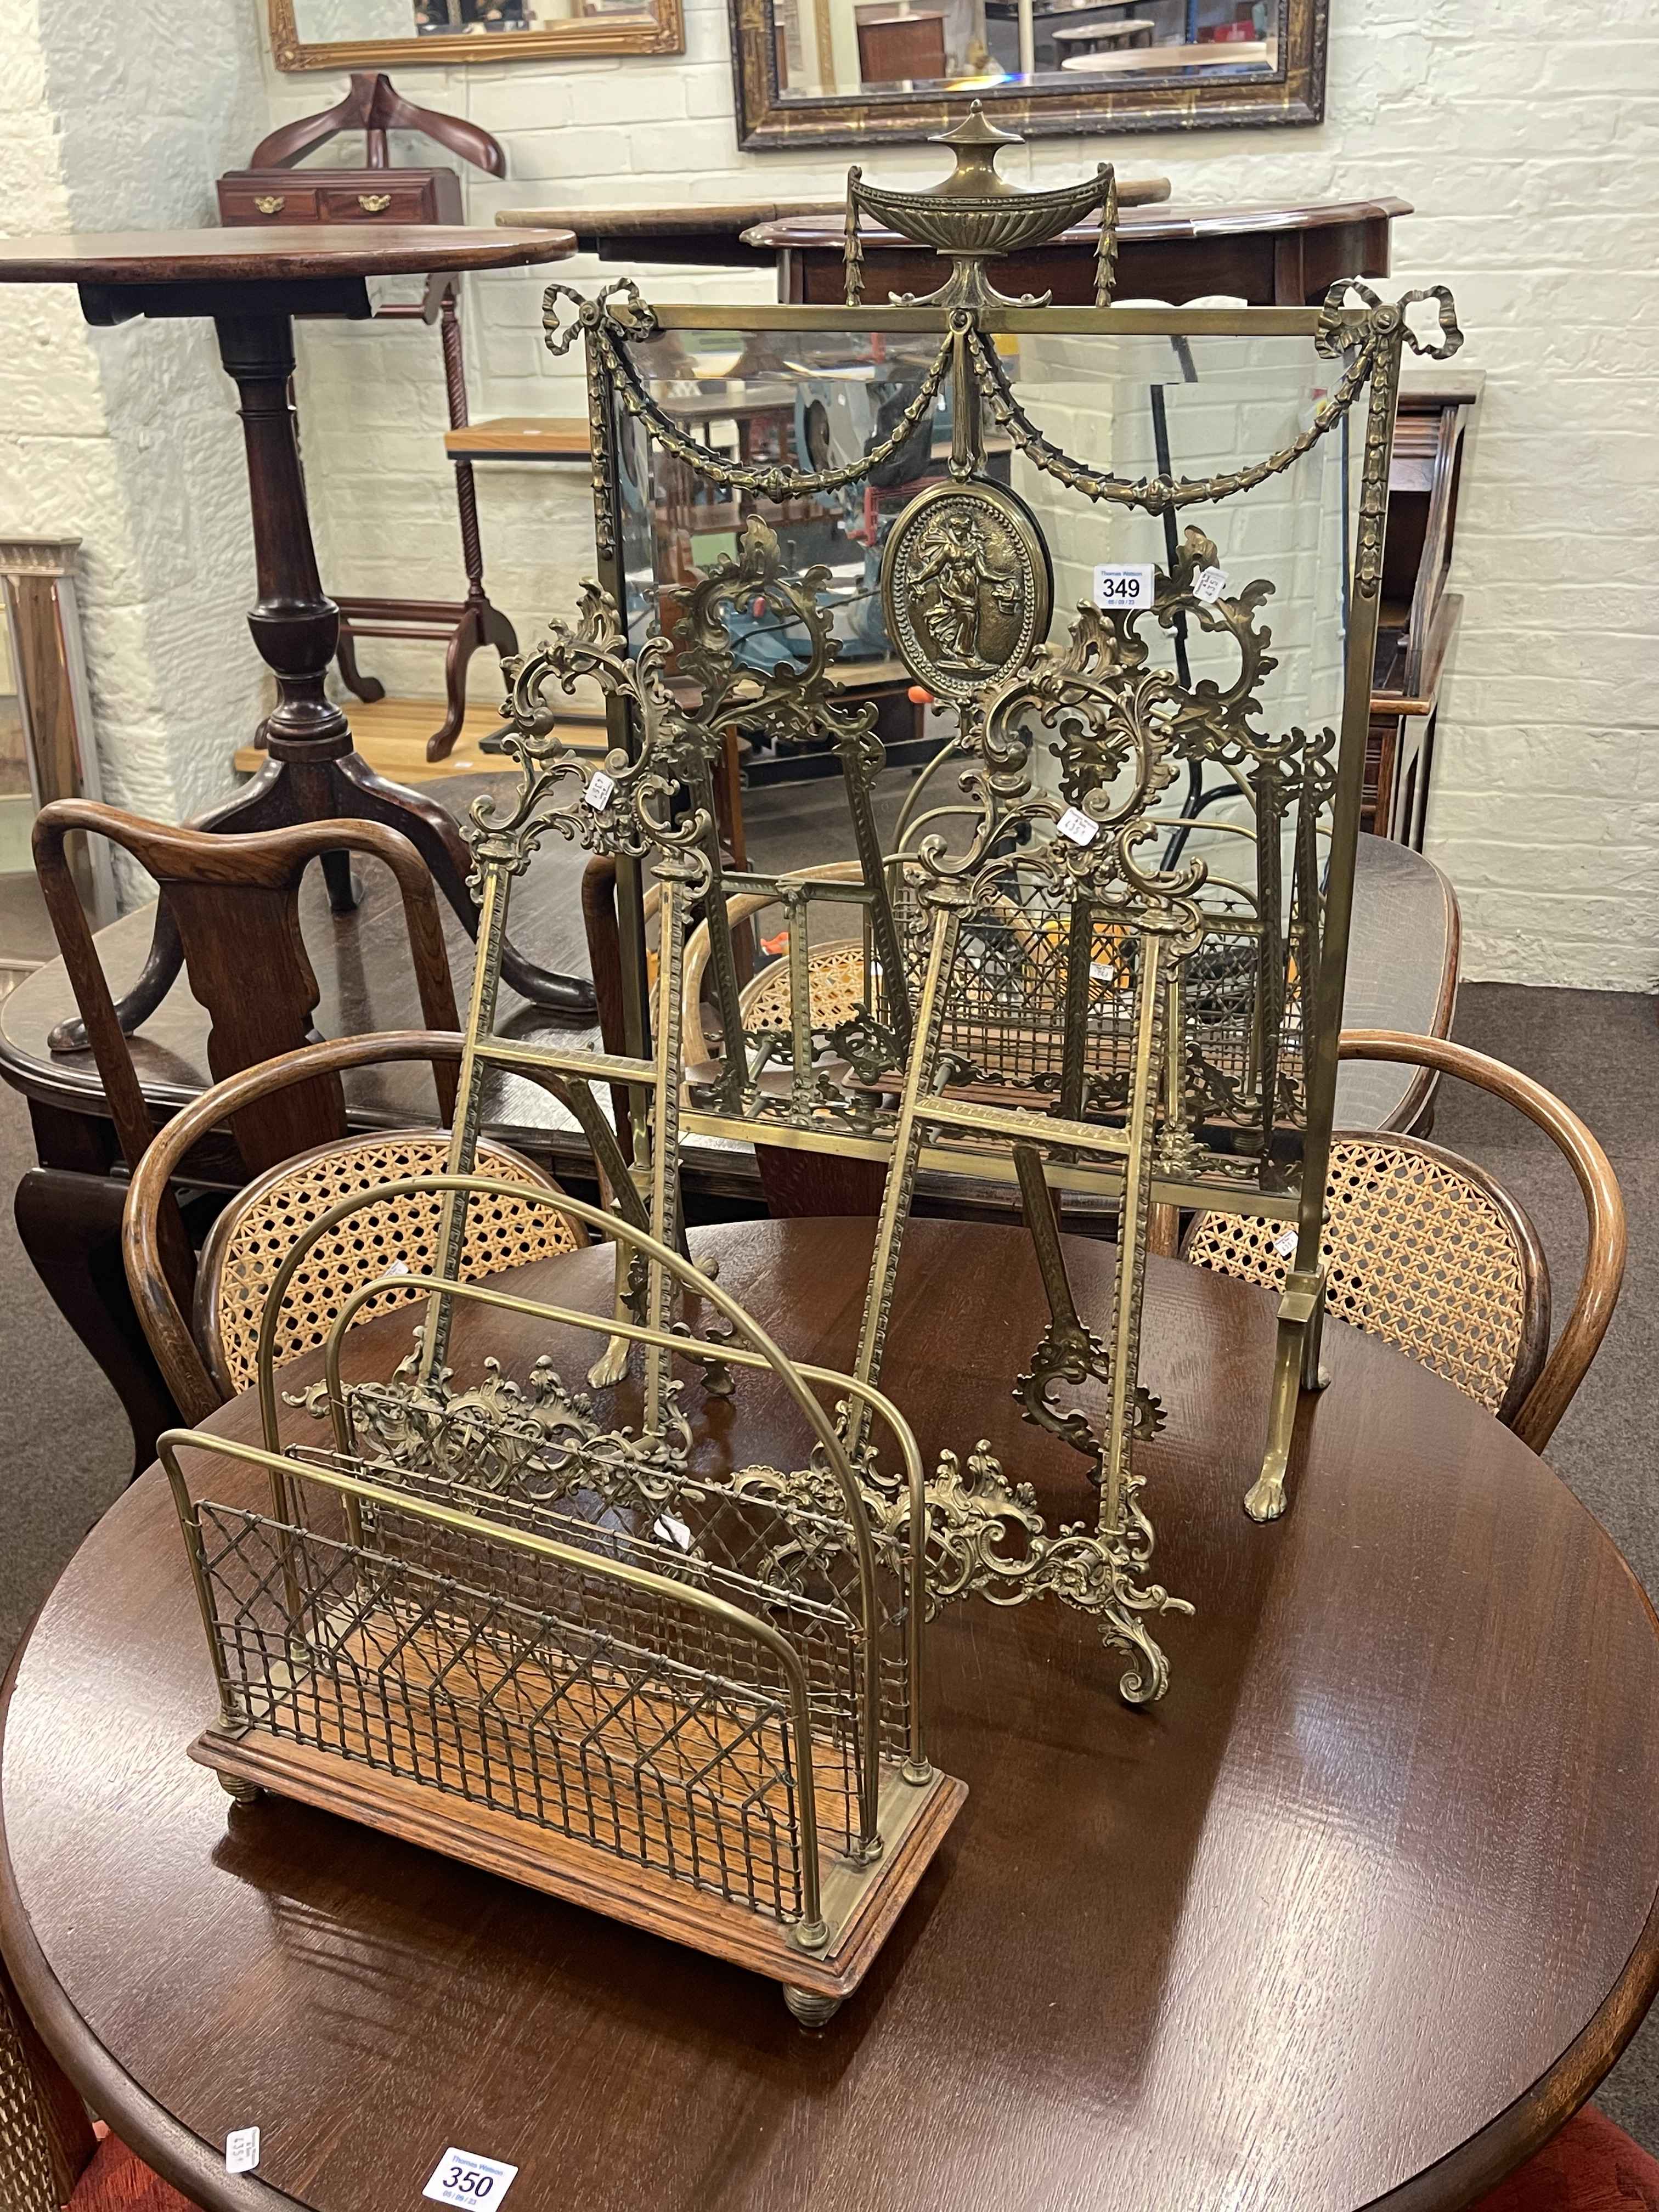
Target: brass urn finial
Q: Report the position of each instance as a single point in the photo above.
(976, 141)
(974, 216)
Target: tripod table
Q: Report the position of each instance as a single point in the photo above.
(252, 284)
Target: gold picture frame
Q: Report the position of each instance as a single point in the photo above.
(581, 37)
(771, 120)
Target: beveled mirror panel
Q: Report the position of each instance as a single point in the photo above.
(842, 72)
(331, 34)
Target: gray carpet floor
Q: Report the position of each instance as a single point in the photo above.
(69, 1450)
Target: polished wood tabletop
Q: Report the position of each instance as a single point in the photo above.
(287, 251)
(1403, 975)
(1359, 1912)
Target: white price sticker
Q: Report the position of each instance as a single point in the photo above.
(1082, 829)
(241, 2150)
(1124, 584)
(1208, 585)
(672, 1531)
(600, 791)
(463, 2177)
(1284, 1243)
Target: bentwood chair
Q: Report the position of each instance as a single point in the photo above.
(205, 1333)
(1426, 1250)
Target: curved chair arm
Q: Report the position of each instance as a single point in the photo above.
(694, 1043)
(160, 1312)
(1604, 1207)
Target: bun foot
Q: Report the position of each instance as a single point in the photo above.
(811, 2009)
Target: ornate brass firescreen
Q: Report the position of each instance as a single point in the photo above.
(1094, 983)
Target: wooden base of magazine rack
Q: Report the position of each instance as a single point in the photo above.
(859, 1903)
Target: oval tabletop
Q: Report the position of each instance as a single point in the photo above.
(1142, 219)
(286, 251)
(1403, 975)
(1365, 1904)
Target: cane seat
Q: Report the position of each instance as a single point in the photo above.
(253, 1235)
(1419, 1248)
(1427, 1251)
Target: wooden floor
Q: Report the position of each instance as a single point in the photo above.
(391, 736)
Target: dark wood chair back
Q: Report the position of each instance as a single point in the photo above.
(234, 902)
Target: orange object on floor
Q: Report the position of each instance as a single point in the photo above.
(1590, 2166)
(118, 2180)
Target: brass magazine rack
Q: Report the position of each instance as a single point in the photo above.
(1087, 984)
(498, 1625)
(493, 1617)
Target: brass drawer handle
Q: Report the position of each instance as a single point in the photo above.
(374, 202)
(270, 204)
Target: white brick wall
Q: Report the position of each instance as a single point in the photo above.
(112, 119)
(1526, 132)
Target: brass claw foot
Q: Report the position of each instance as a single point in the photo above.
(1265, 1499)
(1295, 1369)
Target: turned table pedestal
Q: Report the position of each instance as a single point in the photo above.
(252, 284)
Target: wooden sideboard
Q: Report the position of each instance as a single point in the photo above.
(1269, 256)
(1419, 614)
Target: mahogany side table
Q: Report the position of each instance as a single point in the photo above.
(252, 284)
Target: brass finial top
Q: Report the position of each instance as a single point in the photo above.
(975, 142)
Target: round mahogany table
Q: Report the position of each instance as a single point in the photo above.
(1366, 1904)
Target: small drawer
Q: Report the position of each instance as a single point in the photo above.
(252, 203)
(386, 203)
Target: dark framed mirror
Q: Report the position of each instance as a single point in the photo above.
(845, 72)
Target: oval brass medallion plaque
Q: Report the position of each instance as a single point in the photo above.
(965, 586)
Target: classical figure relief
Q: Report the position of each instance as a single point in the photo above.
(966, 586)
